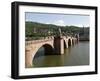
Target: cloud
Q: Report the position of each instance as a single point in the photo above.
(47, 23)
(59, 23)
(82, 25)
(79, 25)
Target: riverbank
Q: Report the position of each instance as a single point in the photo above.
(84, 39)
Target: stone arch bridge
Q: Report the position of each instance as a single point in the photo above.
(51, 45)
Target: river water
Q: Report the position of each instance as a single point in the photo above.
(74, 56)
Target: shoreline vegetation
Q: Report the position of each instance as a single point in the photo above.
(35, 31)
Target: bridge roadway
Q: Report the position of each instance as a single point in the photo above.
(51, 45)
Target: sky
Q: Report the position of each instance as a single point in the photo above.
(58, 19)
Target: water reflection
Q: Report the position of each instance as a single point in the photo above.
(75, 55)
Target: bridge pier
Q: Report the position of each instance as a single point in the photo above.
(59, 45)
(77, 36)
(28, 58)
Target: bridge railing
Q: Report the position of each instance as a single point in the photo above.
(40, 40)
(44, 39)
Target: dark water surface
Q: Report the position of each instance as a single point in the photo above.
(73, 56)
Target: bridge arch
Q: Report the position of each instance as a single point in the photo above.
(65, 44)
(32, 48)
(69, 42)
(47, 49)
(73, 41)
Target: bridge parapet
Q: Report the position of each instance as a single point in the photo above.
(40, 40)
(49, 37)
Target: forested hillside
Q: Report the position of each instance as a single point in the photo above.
(34, 29)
